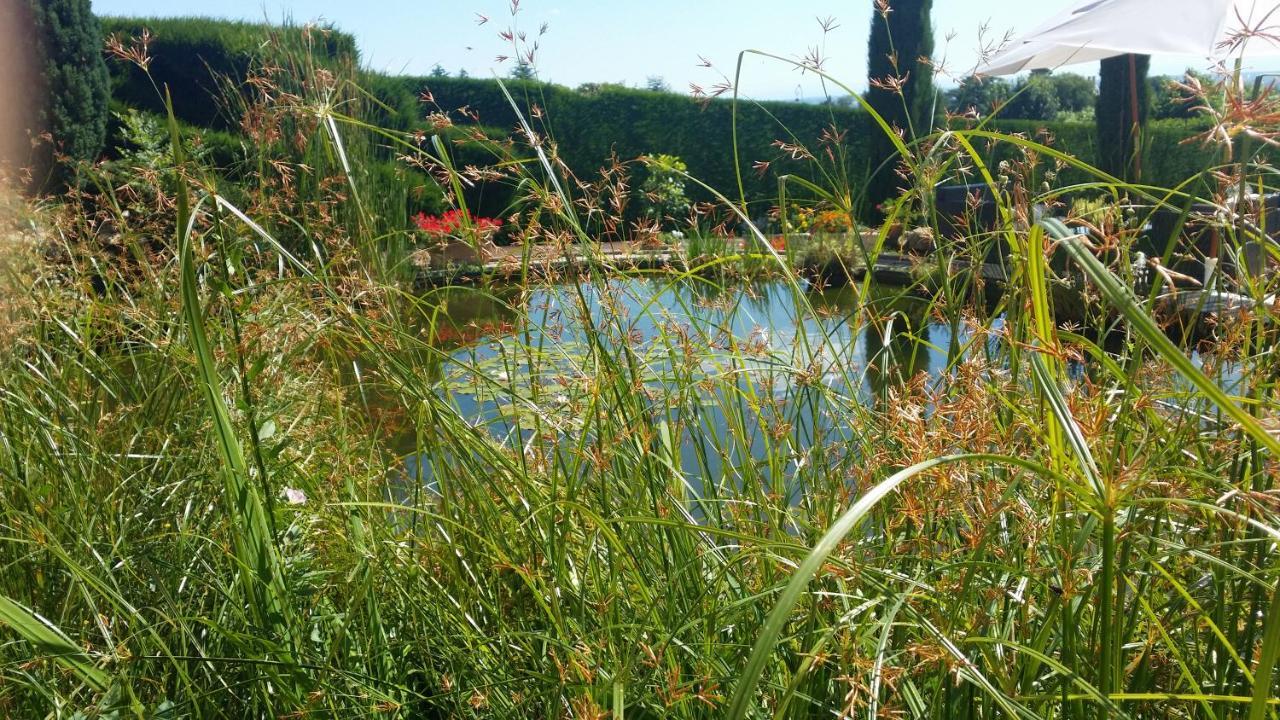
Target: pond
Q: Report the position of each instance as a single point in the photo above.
(747, 383)
(736, 371)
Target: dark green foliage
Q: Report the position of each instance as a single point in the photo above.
(900, 39)
(663, 199)
(1119, 131)
(1073, 138)
(197, 59)
(1171, 155)
(1168, 159)
(1076, 93)
(68, 41)
(982, 95)
(1171, 101)
(523, 71)
(593, 124)
(1034, 98)
(1046, 96)
(252, 91)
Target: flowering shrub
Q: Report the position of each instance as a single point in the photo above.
(828, 221)
(798, 221)
(454, 223)
(833, 222)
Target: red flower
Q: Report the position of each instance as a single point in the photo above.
(454, 222)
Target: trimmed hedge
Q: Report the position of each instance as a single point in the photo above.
(196, 57)
(590, 127)
(1172, 155)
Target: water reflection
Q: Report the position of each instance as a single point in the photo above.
(787, 368)
(752, 383)
(898, 345)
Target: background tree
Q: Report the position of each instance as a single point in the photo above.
(69, 48)
(1043, 96)
(595, 89)
(901, 84)
(1123, 88)
(657, 83)
(1076, 93)
(982, 95)
(439, 72)
(1034, 98)
(523, 71)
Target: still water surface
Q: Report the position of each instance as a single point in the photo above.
(775, 358)
(745, 376)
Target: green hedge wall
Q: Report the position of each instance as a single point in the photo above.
(194, 57)
(1172, 155)
(588, 125)
(591, 126)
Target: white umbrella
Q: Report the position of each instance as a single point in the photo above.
(1093, 30)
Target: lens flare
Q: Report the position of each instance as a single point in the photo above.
(19, 87)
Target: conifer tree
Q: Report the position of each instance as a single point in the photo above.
(67, 44)
(900, 84)
(1119, 132)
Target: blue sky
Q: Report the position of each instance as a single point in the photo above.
(628, 41)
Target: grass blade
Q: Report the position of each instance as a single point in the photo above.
(50, 641)
(252, 536)
(1123, 300)
(777, 620)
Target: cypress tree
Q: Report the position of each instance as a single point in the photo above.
(69, 49)
(1119, 132)
(900, 85)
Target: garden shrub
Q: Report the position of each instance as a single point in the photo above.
(662, 193)
(68, 44)
(195, 57)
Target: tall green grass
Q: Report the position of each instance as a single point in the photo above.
(1069, 522)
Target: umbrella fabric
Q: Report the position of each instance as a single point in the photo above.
(1093, 30)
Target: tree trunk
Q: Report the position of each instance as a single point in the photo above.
(1124, 102)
